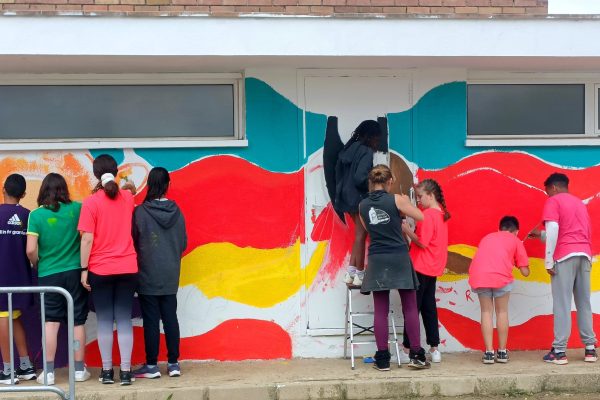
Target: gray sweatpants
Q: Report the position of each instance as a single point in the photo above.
(572, 280)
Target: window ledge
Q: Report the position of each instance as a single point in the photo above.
(546, 141)
(60, 144)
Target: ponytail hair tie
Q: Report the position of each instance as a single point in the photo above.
(107, 177)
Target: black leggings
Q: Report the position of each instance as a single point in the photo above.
(427, 307)
(155, 308)
(113, 300)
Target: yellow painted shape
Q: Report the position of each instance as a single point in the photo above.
(315, 263)
(256, 277)
(536, 267)
(463, 250)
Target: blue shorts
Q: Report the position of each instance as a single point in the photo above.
(494, 292)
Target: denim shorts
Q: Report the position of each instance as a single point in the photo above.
(494, 292)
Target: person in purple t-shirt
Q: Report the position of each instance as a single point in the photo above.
(15, 270)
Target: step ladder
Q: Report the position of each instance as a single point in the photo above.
(351, 325)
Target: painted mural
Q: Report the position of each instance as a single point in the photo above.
(261, 277)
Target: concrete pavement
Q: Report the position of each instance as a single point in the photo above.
(304, 379)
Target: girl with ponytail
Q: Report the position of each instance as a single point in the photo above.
(109, 264)
(429, 253)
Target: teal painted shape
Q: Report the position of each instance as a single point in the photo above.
(432, 132)
(117, 154)
(273, 130)
(400, 133)
(439, 131)
(316, 124)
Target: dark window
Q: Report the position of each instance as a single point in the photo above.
(117, 111)
(526, 109)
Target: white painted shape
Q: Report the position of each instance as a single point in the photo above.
(283, 81)
(355, 98)
(424, 80)
(573, 7)
(197, 314)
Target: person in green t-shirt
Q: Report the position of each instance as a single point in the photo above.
(53, 245)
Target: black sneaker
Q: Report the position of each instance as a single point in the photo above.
(558, 358)
(502, 357)
(488, 357)
(418, 360)
(126, 378)
(5, 378)
(26, 374)
(590, 355)
(107, 376)
(382, 360)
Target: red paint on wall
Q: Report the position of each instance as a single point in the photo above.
(479, 199)
(228, 199)
(535, 334)
(328, 226)
(523, 167)
(233, 340)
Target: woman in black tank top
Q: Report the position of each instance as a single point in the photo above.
(389, 265)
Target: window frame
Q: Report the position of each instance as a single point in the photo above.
(235, 79)
(591, 136)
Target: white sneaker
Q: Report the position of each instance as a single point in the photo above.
(436, 356)
(40, 378)
(82, 376)
(357, 281)
(348, 278)
(404, 358)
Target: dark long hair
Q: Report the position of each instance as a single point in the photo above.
(54, 190)
(158, 183)
(104, 164)
(368, 133)
(431, 186)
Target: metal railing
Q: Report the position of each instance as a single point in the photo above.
(42, 290)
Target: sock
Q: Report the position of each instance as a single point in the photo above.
(351, 269)
(24, 362)
(502, 351)
(590, 347)
(79, 366)
(360, 274)
(50, 367)
(171, 364)
(7, 368)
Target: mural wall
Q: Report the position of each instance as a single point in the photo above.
(261, 277)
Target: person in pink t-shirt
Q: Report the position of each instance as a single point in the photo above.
(429, 253)
(490, 276)
(568, 238)
(108, 253)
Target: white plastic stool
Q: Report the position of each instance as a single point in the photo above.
(351, 325)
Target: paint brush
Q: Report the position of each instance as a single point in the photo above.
(529, 233)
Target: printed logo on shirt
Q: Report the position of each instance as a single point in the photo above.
(377, 216)
(15, 220)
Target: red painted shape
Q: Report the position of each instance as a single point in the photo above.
(233, 340)
(523, 167)
(228, 199)
(328, 226)
(479, 199)
(535, 334)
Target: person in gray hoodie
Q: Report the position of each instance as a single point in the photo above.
(160, 239)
